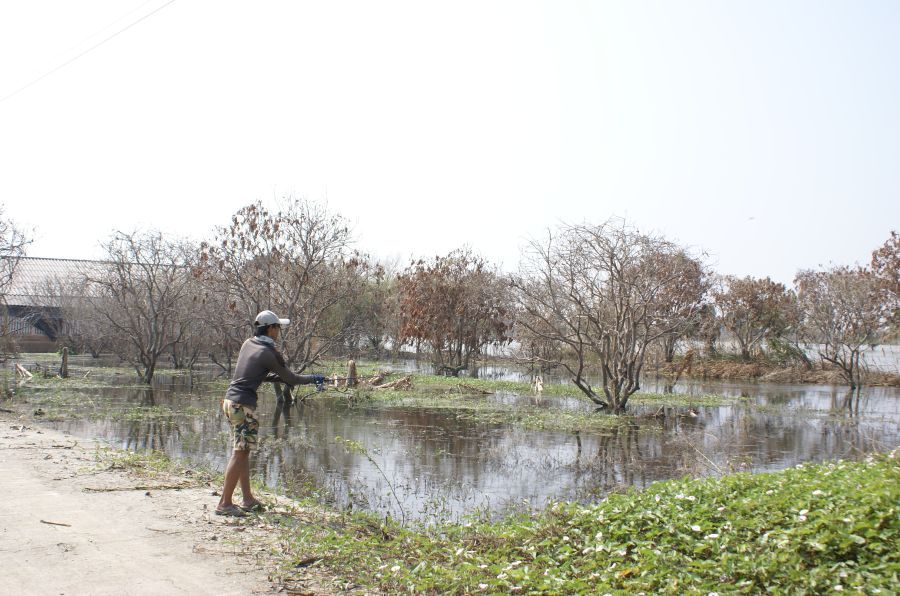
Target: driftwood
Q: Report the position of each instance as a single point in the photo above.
(377, 379)
(404, 383)
(466, 388)
(146, 487)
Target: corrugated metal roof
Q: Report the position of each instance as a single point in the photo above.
(34, 278)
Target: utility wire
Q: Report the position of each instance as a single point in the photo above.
(93, 47)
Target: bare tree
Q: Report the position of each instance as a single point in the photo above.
(13, 242)
(378, 308)
(753, 310)
(843, 314)
(139, 297)
(679, 300)
(603, 293)
(84, 328)
(455, 305)
(296, 262)
(886, 269)
(190, 322)
(62, 308)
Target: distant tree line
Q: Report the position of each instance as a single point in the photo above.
(593, 300)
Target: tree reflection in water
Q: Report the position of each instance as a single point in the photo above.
(447, 462)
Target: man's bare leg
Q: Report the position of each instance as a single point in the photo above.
(237, 470)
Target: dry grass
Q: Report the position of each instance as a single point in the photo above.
(769, 372)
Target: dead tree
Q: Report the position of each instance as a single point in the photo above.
(139, 297)
(603, 295)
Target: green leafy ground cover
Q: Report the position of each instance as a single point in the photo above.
(813, 528)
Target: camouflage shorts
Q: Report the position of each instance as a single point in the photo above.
(244, 425)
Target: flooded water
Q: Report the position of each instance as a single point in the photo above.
(432, 465)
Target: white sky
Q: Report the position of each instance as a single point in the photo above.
(766, 133)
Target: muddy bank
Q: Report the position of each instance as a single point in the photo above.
(79, 518)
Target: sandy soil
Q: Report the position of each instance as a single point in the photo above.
(73, 524)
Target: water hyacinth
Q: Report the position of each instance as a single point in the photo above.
(656, 540)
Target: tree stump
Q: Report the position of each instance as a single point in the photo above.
(64, 367)
(351, 373)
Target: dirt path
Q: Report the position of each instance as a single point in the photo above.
(72, 525)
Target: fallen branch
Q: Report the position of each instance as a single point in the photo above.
(404, 383)
(130, 488)
(22, 371)
(50, 523)
(464, 387)
(378, 379)
(165, 531)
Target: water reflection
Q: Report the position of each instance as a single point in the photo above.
(430, 464)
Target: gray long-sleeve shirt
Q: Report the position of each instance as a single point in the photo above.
(257, 363)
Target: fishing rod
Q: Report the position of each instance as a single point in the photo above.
(326, 383)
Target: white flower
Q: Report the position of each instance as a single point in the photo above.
(804, 511)
(696, 528)
(565, 538)
(721, 508)
(713, 594)
(482, 586)
(395, 568)
(692, 498)
(839, 588)
(502, 576)
(818, 492)
(802, 518)
(770, 491)
(712, 536)
(658, 498)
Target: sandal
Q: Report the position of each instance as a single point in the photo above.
(255, 507)
(231, 511)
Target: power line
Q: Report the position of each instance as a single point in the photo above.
(93, 47)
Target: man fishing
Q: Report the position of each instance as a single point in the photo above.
(258, 362)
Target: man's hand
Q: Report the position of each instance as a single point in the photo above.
(320, 382)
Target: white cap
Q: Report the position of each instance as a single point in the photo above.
(267, 317)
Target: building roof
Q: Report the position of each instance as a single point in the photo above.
(37, 281)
